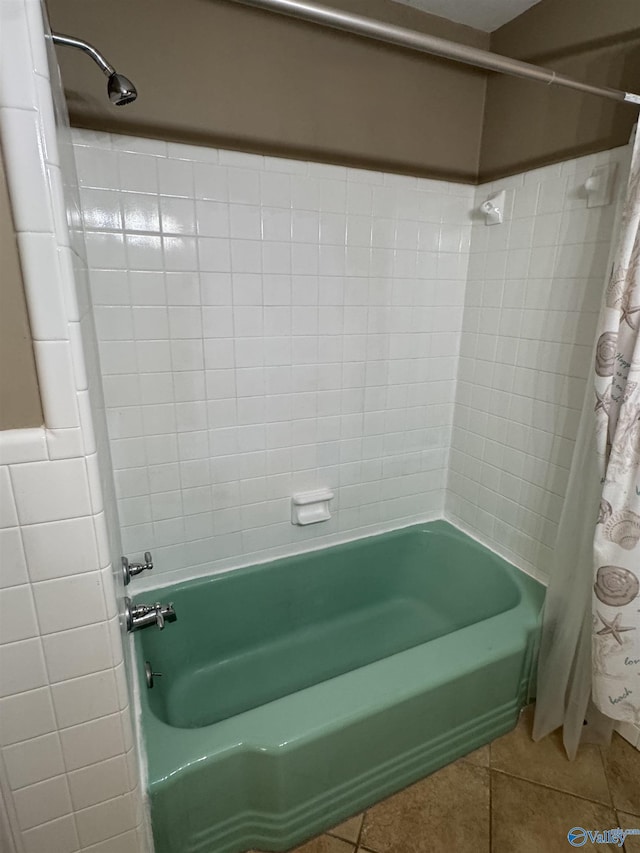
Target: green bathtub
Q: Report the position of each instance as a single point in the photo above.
(298, 692)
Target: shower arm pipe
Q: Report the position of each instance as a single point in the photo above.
(93, 52)
(380, 31)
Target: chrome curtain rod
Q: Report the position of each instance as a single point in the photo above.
(370, 28)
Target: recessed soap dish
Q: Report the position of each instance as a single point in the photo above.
(311, 507)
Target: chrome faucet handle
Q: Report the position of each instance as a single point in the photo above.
(139, 616)
(130, 570)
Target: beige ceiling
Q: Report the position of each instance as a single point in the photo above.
(485, 15)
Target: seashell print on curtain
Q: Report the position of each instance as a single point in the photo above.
(616, 589)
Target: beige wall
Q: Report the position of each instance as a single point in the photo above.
(19, 394)
(221, 74)
(216, 73)
(527, 124)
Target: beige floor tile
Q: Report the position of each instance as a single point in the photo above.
(481, 756)
(622, 766)
(349, 830)
(529, 818)
(629, 821)
(546, 762)
(448, 810)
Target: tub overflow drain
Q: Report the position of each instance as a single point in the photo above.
(149, 674)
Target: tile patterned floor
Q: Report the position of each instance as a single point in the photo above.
(512, 796)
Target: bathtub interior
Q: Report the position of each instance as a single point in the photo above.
(248, 637)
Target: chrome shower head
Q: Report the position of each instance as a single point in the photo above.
(121, 90)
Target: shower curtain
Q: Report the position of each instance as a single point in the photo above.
(616, 617)
(589, 662)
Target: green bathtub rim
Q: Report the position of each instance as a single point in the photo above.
(396, 591)
(438, 526)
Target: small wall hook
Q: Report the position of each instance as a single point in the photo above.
(493, 209)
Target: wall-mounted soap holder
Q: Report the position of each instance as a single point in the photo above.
(311, 507)
(493, 209)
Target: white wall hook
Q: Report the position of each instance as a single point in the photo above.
(599, 185)
(311, 507)
(493, 208)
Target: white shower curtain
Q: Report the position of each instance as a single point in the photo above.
(594, 652)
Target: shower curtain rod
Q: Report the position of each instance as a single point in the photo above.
(370, 28)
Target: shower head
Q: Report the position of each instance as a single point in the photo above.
(120, 89)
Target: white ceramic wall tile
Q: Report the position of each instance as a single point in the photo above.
(300, 346)
(15, 91)
(39, 259)
(106, 819)
(48, 553)
(26, 715)
(26, 169)
(33, 760)
(65, 443)
(57, 384)
(22, 445)
(17, 614)
(51, 491)
(52, 599)
(93, 741)
(532, 299)
(81, 700)
(59, 835)
(42, 802)
(13, 566)
(91, 785)
(70, 654)
(22, 667)
(8, 514)
(128, 842)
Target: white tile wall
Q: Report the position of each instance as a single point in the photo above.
(532, 298)
(269, 326)
(61, 657)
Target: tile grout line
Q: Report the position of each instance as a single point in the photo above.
(551, 788)
(606, 776)
(360, 831)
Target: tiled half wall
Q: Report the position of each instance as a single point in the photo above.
(270, 326)
(69, 775)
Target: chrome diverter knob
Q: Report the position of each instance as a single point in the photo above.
(130, 570)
